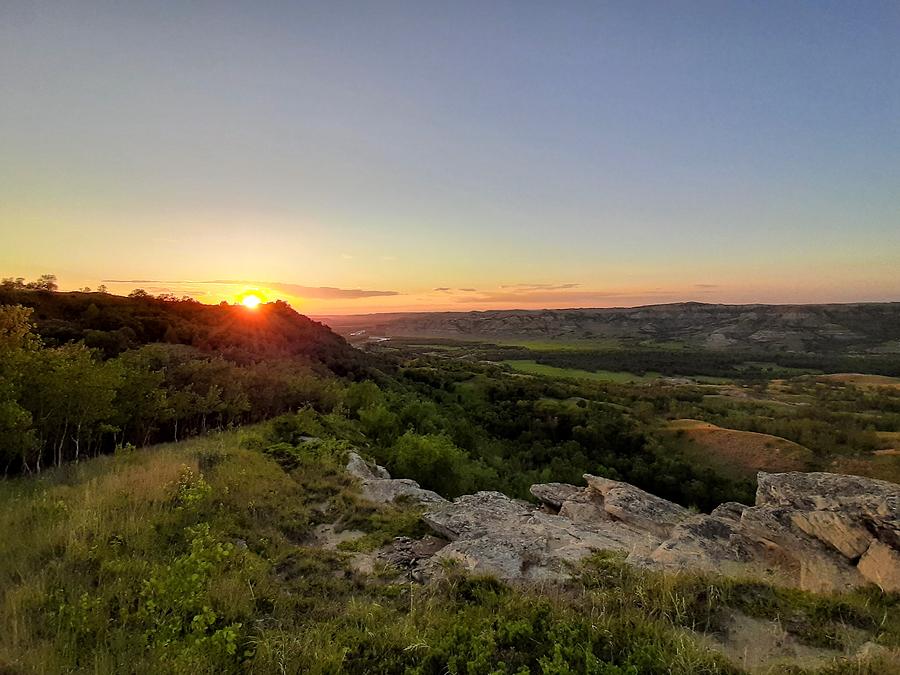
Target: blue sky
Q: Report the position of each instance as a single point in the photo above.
(545, 154)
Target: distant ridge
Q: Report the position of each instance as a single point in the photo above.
(845, 328)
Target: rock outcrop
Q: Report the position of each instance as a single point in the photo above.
(378, 486)
(816, 531)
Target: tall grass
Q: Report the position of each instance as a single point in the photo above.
(196, 557)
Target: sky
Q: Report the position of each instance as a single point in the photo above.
(365, 156)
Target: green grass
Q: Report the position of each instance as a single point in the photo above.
(195, 558)
(562, 345)
(531, 367)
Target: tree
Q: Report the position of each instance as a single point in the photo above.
(45, 282)
(16, 329)
(17, 439)
(437, 464)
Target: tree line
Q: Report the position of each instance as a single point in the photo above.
(64, 402)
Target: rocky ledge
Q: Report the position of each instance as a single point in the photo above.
(815, 531)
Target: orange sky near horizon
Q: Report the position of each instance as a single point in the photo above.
(375, 157)
(332, 301)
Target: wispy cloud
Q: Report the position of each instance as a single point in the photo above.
(540, 287)
(567, 296)
(139, 281)
(299, 290)
(442, 289)
(317, 292)
(706, 285)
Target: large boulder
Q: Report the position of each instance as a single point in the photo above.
(378, 486)
(880, 564)
(492, 533)
(632, 505)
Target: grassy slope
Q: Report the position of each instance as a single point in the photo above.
(861, 380)
(191, 557)
(737, 454)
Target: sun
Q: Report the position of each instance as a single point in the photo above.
(251, 301)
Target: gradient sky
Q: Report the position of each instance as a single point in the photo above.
(363, 156)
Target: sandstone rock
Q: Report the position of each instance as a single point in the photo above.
(729, 511)
(875, 500)
(805, 561)
(880, 564)
(584, 512)
(360, 468)
(554, 494)
(471, 516)
(709, 543)
(491, 533)
(640, 509)
(840, 531)
(379, 487)
(389, 490)
(820, 532)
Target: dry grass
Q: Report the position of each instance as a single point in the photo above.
(861, 380)
(882, 467)
(738, 453)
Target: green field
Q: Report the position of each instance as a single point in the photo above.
(531, 367)
(597, 344)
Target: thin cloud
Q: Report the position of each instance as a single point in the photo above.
(706, 285)
(540, 287)
(568, 296)
(469, 290)
(442, 289)
(140, 281)
(316, 292)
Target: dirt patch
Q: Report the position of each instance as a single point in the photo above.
(761, 646)
(325, 536)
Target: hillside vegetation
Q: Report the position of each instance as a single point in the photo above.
(833, 329)
(200, 557)
(246, 546)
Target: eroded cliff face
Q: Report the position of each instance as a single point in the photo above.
(815, 531)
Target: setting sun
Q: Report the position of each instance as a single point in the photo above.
(251, 301)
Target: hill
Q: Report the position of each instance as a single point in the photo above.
(837, 328)
(85, 373)
(737, 453)
(114, 324)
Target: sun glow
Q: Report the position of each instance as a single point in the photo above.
(251, 301)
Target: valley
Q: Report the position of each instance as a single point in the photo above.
(205, 495)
